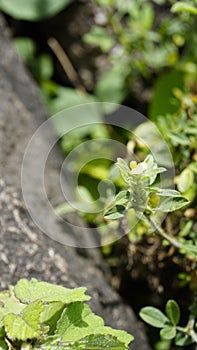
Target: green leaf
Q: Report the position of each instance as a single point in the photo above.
(25, 325)
(30, 291)
(183, 6)
(168, 333)
(185, 180)
(100, 37)
(33, 10)
(122, 197)
(116, 212)
(9, 303)
(101, 342)
(154, 317)
(51, 315)
(163, 192)
(124, 170)
(26, 48)
(169, 205)
(173, 312)
(111, 87)
(66, 98)
(78, 322)
(183, 339)
(161, 103)
(179, 139)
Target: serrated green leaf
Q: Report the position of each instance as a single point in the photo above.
(168, 333)
(115, 213)
(33, 10)
(51, 315)
(124, 169)
(183, 6)
(9, 304)
(78, 322)
(154, 317)
(101, 342)
(26, 325)
(173, 312)
(185, 180)
(30, 291)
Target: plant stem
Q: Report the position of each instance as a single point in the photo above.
(163, 234)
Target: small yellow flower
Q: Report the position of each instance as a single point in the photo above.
(139, 168)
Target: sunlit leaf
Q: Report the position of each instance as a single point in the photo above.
(30, 291)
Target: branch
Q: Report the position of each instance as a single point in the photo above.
(66, 65)
(163, 234)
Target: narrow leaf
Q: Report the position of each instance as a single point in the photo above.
(154, 317)
(169, 205)
(124, 169)
(116, 212)
(163, 192)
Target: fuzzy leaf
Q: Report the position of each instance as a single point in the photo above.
(173, 312)
(124, 169)
(169, 205)
(168, 333)
(25, 325)
(30, 291)
(122, 197)
(116, 212)
(154, 317)
(163, 192)
(78, 322)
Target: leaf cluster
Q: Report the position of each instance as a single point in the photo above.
(39, 315)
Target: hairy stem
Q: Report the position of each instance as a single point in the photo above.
(163, 234)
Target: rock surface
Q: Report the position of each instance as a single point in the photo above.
(24, 250)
